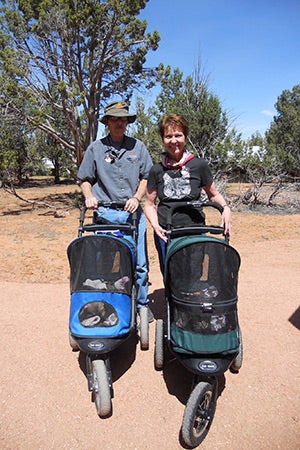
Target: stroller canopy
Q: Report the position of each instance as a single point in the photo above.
(101, 262)
(199, 268)
(201, 278)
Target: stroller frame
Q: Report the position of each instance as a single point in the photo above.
(98, 343)
(206, 366)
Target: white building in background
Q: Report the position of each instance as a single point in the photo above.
(48, 163)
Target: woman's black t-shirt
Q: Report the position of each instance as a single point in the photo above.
(183, 183)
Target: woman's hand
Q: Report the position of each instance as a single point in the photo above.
(161, 233)
(151, 214)
(226, 220)
(215, 196)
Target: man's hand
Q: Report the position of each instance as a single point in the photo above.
(91, 202)
(132, 204)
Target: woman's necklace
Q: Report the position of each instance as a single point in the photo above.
(173, 162)
(176, 165)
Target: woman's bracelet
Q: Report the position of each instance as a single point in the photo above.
(137, 199)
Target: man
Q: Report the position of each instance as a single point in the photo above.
(116, 168)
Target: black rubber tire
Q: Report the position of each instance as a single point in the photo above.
(238, 360)
(159, 345)
(144, 328)
(198, 414)
(101, 388)
(72, 342)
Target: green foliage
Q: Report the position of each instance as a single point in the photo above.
(13, 136)
(209, 126)
(72, 56)
(283, 137)
(145, 129)
(61, 61)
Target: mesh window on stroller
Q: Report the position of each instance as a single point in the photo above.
(201, 277)
(101, 282)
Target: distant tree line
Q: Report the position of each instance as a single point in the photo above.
(62, 61)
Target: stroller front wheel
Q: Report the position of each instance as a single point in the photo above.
(101, 388)
(198, 414)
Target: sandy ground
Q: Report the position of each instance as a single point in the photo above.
(45, 403)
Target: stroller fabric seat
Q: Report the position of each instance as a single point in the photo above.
(101, 284)
(201, 276)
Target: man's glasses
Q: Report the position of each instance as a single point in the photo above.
(117, 119)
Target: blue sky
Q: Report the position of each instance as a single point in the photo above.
(249, 49)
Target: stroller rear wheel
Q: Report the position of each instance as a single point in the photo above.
(159, 345)
(101, 388)
(72, 342)
(238, 360)
(144, 328)
(198, 414)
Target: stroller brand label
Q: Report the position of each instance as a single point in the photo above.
(96, 345)
(208, 366)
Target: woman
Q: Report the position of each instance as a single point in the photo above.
(180, 176)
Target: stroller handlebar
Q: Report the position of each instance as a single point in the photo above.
(93, 227)
(112, 204)
(194, 204)
(200, 229)
(197, 229)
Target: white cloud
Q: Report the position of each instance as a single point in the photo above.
(267, 112)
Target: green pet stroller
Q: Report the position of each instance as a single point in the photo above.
(202, 329)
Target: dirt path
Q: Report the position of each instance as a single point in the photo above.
(45, 403)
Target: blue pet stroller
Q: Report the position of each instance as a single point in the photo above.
(103, 309)
(202, 330)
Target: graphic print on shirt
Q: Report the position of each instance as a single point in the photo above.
(178, 187)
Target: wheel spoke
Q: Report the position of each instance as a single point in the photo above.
(198, 414)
